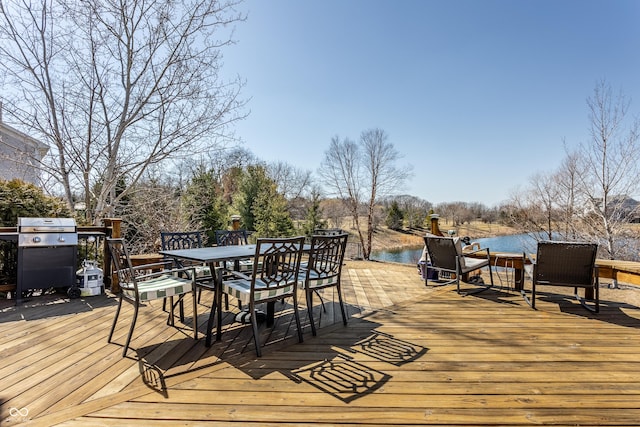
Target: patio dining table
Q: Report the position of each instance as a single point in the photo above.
(213, 257)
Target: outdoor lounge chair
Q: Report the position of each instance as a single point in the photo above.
(149, 282)
(446, 255)
(567, 264)
(323, 270)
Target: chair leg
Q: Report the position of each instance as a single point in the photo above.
(342, 309)
(533, 296)
(115, 319)
(309, 297)
(321, 300)
(297, 316)
(583, 301)
(490, 274)
(195, 312)
(170, 320)
(254, 326)
(133, 325)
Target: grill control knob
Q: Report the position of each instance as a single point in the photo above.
(36, 239)
(61, 239)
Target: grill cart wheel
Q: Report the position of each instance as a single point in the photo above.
(74, 292)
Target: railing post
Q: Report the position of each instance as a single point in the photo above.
(114, 229)
(435, 229)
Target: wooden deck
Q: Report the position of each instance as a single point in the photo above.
(410, 356)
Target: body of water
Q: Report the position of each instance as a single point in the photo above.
(513, 243)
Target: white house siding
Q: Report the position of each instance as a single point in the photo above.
(18, 155)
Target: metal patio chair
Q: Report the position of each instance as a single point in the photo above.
(234, 238)
(173, 240)
(149, 282)
(323, 270)
(276, 279)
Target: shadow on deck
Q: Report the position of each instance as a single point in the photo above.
(409, 355)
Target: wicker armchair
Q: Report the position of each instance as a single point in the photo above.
(445, 255)
(566, 264)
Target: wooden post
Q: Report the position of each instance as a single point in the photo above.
(235, 222)
(114, 229)
(435, 229)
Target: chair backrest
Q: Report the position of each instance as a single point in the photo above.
(442, 251)
(565, 263)
(173, 240)
(326, 257)
(231, 237)
(121, 261)
(328, 231)
(276, 272)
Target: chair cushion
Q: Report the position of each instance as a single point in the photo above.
(463, 261)
(315, 281)
(202, 271)
(159, 287)
(471, 263)
(241, 290)
(246, 265)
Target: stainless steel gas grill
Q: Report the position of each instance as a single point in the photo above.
(47, 254)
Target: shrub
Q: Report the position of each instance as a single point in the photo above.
(21, 199)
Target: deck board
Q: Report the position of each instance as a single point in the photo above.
(410, 355)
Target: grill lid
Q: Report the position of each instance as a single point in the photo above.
(46, 225)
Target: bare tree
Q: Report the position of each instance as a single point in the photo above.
(294, 184)
(117, 87)
(589, 196)
(362, 174)
(609, 172)
(335, 211)
(568, 197)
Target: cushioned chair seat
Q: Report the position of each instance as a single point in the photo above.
(203, 271)
(159, 287)
(241, 289)
(315, 281)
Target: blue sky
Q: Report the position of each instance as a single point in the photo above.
(477, 96)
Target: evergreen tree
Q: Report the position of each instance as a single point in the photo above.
(19, 198)
(253, 182)
(272, 218)
(313, 219)
(203, 203)
(395, 217)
